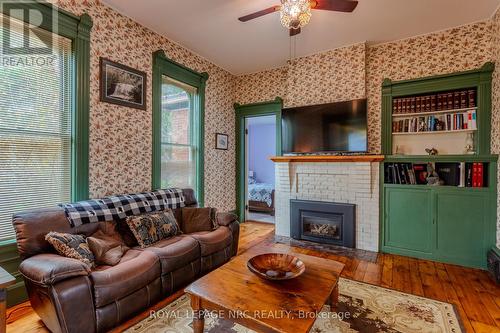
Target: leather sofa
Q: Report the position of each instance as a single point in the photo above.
(70, 297)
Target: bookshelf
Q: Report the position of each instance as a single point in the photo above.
(455, 220)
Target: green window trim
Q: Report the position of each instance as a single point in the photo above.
(162, 65)
(77, 29)
(245, 111)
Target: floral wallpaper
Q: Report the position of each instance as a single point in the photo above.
(262, 86)
(330, 76)
(120, 137)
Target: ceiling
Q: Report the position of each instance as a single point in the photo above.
(211, 29)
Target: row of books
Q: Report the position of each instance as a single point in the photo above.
(452, 174)
(445, 122)
(437, 102)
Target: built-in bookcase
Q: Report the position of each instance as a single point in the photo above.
(455, 219)
(449, 116)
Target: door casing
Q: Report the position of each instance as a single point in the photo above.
(247, 111)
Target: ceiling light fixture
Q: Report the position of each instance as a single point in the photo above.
(295, 14)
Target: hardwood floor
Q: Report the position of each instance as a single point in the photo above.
(475, 296)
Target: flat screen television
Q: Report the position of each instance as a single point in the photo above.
(327, 128)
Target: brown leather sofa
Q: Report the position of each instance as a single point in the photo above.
(70, 297)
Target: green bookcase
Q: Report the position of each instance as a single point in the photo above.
(443, 223)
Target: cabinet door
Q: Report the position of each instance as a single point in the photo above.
(462, 220)
(408, 220)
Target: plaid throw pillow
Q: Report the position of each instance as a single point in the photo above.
(152, 227)
(71, 246)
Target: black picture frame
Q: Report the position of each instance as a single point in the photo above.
(122, 85)
(221, 141)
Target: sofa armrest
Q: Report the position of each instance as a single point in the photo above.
(224, 219)
(234, 226)
(48, 268)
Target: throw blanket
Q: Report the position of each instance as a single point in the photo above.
(120, 206)
(261, 192)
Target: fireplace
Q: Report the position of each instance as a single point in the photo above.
(323, 222)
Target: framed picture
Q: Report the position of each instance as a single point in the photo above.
(122, 85)
(221, 141)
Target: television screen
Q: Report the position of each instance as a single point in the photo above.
(327, 128)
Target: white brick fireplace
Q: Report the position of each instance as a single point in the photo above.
(342, 181)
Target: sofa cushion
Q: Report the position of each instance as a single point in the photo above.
(135, 270)
(197, 219)
(212, 241)
(152, 227)
(108, 249)
(71, 246)
(175, 252)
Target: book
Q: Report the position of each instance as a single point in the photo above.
(439, 106)
(463, 99)
(420, 171)
(474, 175)
(472, 98)
(480, 174)
(388, 174)
(468, 174)
(449, 101)
(462, 175)
(456, 100)
(449, 173)
(394, 174)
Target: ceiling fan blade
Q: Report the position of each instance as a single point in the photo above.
(259, 13)
(294, 32)
(346, 6)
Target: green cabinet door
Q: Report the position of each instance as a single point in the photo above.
(462, 222)
(408, 221)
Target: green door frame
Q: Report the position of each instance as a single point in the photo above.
(165, 66)
(247, 111)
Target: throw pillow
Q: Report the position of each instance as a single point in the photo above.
(152, 227)
(197, 219)
(71, 246)
(107, 248)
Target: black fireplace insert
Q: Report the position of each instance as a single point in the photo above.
(323, 222)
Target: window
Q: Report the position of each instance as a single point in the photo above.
(38, 130)
(178, 141)
(178, 103)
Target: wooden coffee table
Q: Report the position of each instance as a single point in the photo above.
(236, 294)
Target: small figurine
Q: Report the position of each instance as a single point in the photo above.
(432, 176)
(432, 151)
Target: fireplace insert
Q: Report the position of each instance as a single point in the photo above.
(323, 222)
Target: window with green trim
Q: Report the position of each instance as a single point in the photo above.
(179, 149)
(178, 125)
(38, 108)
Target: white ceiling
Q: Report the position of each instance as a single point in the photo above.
(211, 29)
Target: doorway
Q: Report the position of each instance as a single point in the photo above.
(259, 137)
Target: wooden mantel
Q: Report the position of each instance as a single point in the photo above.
(328, 158)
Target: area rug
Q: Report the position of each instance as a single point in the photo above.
(362, 308)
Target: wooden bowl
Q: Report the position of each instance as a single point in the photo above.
(276, 266)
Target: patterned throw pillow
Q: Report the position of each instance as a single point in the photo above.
(150, 228)
(71, 246)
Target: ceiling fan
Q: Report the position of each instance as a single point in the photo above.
(294, 14)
